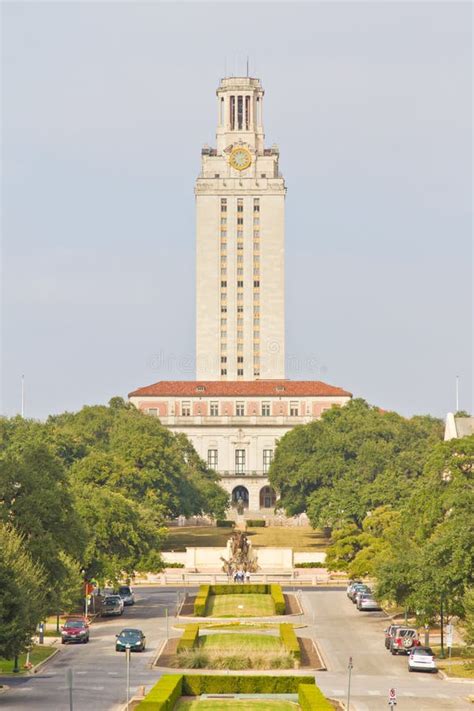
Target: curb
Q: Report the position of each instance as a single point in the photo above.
(321, 656)
(40, 665)
(157, 655)
(454, 679)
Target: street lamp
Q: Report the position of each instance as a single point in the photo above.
(127, 657)
(349, 667)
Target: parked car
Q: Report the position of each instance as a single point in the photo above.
(404, 639)
(75, 629)
(422, 659)
(126, 593)
(389, 633)
(359, 587)
(134, 638)
(361, 592)
(351, 585)
(367, 603)
(112, 605)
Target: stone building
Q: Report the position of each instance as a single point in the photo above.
(240, 405)
(234, 426)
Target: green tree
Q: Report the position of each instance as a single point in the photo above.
(22, 599)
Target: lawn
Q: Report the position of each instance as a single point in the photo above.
(248, 605)
(37, 655)
(236, 705)
(300, 538)
(461, 664)
(240, 642)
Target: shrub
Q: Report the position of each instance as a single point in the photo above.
(311, 698)
(256, 523)
(200, 602)
(278, 599)
(197, 684)
(189, 637)
(193, 659)
(310, 565)
(164, 695)
(290, 640)
(174, 565)
(239, 589)
(223, 523)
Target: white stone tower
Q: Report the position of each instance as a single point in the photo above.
(240, 203)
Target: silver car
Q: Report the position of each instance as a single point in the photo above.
(367, 603)
(422, 659)
(126, 593)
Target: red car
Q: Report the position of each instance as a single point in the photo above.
(75, 629)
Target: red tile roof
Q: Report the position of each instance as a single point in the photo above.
(222, 388)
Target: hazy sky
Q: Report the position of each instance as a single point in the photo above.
(105, 109)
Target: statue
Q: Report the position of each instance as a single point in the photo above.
(240, 556)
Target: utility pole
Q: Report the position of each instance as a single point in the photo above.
(127, 657)
(23, 396)
(69, 683)
(349, 667)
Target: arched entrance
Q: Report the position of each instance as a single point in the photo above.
(240, 495)
(267, 497)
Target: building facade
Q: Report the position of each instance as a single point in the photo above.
(240, 215)
(240, 405)
(234, 426)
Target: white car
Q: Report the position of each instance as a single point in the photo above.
(422, 659)
(368, 603)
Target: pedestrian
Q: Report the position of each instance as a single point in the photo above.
(247, 576)
(236, 576)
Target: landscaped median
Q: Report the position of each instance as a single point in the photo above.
(167, 694)
(246, 600)
(38, 654)
(240, 648)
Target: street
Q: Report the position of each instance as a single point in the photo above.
(341, 631)
(99, 671)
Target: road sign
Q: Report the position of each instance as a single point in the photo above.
(449, 635)
(392, 698)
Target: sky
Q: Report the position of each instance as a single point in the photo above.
(105, 108)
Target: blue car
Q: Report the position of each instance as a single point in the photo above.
(135, 639)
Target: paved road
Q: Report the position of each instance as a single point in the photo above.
(342, 632)
(99, 671)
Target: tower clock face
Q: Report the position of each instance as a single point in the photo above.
(240, 158)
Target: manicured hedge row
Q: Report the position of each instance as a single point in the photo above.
(290, 640)
(309, 565)
(256, 523)
(275, 591)
(164, 695)
(239, 589)
(201, 601)
(189, 638)
(278, 599)
(223, 523)
(311, 698)
(196, 684)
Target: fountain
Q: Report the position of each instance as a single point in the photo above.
(240, 555)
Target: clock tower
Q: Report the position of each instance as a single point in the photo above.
(240, 203)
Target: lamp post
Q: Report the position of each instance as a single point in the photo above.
(349, 667)
(127, 658)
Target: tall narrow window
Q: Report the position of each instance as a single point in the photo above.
(240, 461)
(232, 113)
(214, 409)
(247, 113)
(240, 409)
(185, 408)
(265, 409)
(267, 459)
(212, 458)
(240, 112)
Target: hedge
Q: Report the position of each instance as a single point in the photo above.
(310, 565)
(278, 599)
(189, 638)
(239, 589)
(164, 695)
(256, 523)
(224, 523)
(290, 640)
(275, 591)
(197, 684)
(200, 602)
(311, 698)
